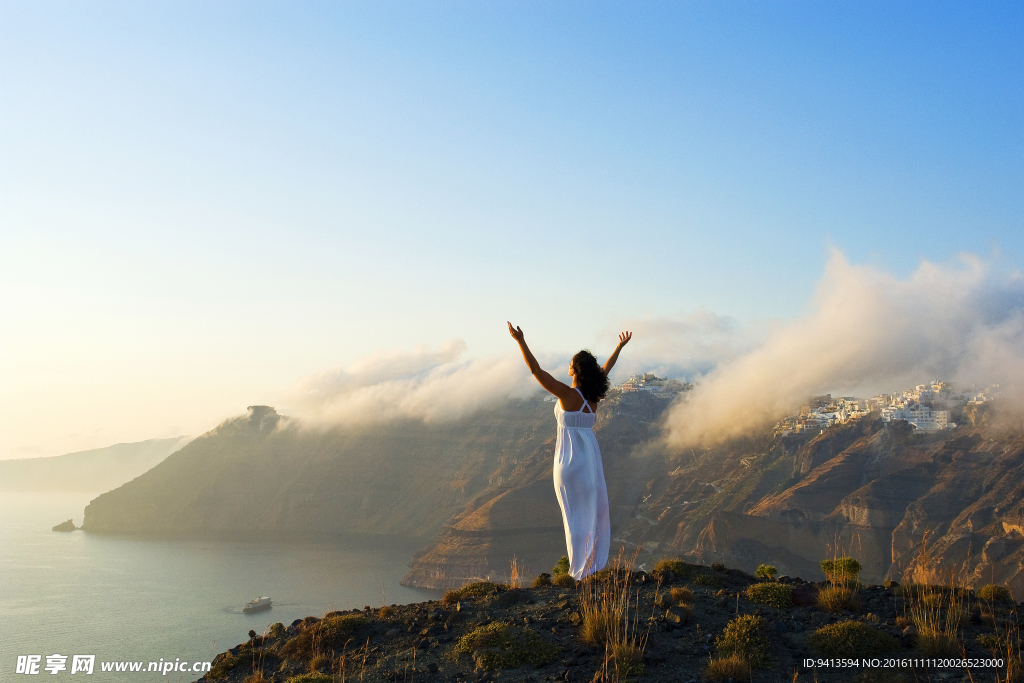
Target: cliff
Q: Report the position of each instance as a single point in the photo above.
(479, 492)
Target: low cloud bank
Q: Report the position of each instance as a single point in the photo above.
(865, 330)
(425, 384)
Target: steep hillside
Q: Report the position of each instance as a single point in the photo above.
(479, 492)
(99, 469)
(263, 474)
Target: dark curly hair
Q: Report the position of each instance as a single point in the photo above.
(590, 377)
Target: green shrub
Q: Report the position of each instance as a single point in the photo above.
(501, 645)
(771, 594)
(991, 642)
(542, 580)
(681, 595)
(992, 593)
(470, 592)
(330, 632)
(746, 637)
(851, 638)
(710, 580)
(316, 677)
(561, 567)
(221, 667)
(766, 571)
(677, 567)
(843, 570)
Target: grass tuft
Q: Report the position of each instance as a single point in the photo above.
(565, 580)
(732, 668)
(835, 599)
(681, 595)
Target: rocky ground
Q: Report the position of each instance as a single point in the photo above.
(537, 633)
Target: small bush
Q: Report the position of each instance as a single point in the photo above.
(765, 571)
(221, 668)
(843, 571)
(709, 580)
(991, 641)
(318, 677)
(627, 658)
(728, 668)
(561, 567)
(682, 595)
(385, 612)
(565, 580)
(835, 599)
(746, 637)
(330, 632)
(501, 645)
(718, 566)
(771, 594)
(470, 592)
(851, 639)
(542, 580)
(677, 567)
(992, 593)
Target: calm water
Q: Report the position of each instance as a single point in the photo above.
(126, 599)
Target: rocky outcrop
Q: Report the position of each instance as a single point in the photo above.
(65, 526)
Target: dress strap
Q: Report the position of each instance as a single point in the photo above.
(586, 404)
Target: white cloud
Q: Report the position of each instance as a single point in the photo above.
(426, 384)
(866, 328)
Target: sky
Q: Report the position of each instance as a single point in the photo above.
(205, 205)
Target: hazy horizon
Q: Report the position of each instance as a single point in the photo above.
(334, 209)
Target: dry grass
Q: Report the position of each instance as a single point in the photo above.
(682, 595)
(835, 599)
(564, 580)
(385, 612)
(514, 579)
(610, 614)
(320, 662)
(937, 611)
(725, 668)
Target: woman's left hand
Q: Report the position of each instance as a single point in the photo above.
(624, 338)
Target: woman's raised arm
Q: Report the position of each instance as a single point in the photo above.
(557, 388)
(610, 363)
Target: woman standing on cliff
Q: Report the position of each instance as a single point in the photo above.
(579, 473)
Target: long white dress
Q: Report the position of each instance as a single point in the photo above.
(581, 490)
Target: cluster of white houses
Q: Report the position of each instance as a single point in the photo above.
(926, 407)
(653, 384)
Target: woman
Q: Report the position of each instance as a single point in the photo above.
(579, 473)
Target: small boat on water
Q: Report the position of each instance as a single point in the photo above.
(258, 605)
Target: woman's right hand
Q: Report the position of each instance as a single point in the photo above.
(516, 333)
(624, 338)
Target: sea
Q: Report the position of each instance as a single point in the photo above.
(141, 600)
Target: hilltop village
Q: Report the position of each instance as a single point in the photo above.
(926, 407)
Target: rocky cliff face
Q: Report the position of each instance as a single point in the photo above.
(479, 492)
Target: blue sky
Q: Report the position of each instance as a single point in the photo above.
(202, 202)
